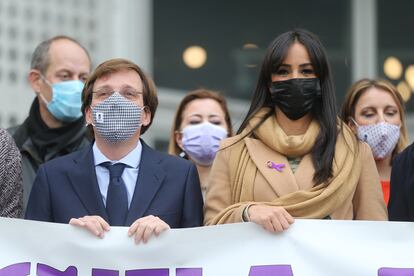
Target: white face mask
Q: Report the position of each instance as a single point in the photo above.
(381, 137)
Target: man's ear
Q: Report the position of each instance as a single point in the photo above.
(146, 116)
(88, 115)
(34, 80)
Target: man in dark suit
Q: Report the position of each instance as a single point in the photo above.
(118, 180)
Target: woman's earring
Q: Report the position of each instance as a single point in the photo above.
(182, 154)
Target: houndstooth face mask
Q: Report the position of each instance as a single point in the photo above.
(116, 119)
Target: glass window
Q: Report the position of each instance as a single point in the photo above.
(76, 22)
(234, 35)
(12, 76)
(12, 33)
(91, 25)
(28, 57)
(45, 15)
(29, 36)
(12, 11)
(13, 54)
(92, 4)
(28, 13)
(61, 20)
(396, 43)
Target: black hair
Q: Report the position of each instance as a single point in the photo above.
(325, 111)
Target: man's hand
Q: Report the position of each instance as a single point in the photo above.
(142, 229)
(94, 224)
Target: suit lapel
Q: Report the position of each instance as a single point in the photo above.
(282, 182)
(82, 176)
(150, 177)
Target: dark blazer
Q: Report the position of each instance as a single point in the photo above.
(167, 187)
(401, 204)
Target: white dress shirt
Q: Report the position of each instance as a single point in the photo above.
(130, 174)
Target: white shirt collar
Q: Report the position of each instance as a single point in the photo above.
(132, 159)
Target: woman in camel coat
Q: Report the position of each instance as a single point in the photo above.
(292, 157)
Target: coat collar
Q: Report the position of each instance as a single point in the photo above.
(283, 182)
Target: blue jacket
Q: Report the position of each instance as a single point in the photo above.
(167, 187)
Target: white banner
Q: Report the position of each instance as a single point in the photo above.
(309, 247)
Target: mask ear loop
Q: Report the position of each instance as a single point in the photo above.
(43, 98)
(45, 80)
(182, 154)
(49, 84)
(353, 121)
(144, 109)
(90, 123)
(357, 125)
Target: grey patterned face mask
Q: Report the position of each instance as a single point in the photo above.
(116, 119)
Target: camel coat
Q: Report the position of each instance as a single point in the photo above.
(366, 202)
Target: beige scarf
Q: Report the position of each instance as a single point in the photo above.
(318, 202)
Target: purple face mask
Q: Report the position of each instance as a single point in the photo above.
(201, 142)
(381, 137)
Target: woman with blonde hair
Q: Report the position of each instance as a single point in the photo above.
(201, 121)
(374, 110)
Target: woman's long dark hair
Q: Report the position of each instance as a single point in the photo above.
(324, 112)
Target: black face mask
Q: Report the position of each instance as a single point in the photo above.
(295, 97)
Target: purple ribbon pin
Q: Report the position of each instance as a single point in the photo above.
(273, 165)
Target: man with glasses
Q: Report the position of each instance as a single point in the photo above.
(119, 180)
(55, 125)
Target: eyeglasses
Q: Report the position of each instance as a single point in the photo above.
(128, 93)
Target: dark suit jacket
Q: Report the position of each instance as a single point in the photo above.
(401, 204)
(167, 187)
